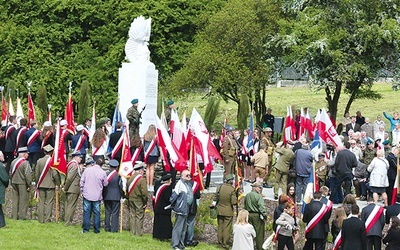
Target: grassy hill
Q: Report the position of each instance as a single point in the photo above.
(279, 98)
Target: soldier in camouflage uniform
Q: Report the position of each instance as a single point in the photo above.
(168, 111)
(133, 117)
(229, 150)
(369, 153)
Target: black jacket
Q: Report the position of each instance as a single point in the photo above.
(320, 230)
(353, 234)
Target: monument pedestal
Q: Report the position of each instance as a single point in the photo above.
(138, 80)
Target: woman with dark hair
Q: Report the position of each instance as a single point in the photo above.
(392, 238)
(291, 192)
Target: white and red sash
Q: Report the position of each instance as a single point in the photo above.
(157, 195)
(9, 130)
(97, 149)
(136, 154)
(20, 134)
(317, 218)
(150, 148)
(33, 137)
(134, 183)
(17, 164)
(373, 217)
(111, 175)
(117, 146)
(42, 175)
(80, 142)
(338, 241)
(45, 139)
(244, 145)
(276, 233)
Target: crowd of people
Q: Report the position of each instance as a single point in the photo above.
(364, 168)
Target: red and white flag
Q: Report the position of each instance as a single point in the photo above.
(197, 175)
(327, 131)
(60, 162)
(69, 114)
(202, 141)
(289, 125)
(126, 166)
(178, 136)
(166, 145)
(31, 110)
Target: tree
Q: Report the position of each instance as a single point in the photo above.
(341, 45)
(83, 105)
(229, 53)
(41, 102)
(55, 42)
(211, 112)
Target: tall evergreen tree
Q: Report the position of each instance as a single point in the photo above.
(41, 102)
(83, 104)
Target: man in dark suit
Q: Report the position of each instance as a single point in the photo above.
(111, 197)
(353, 125)
(114, 138)
(11, 137)
(374, 234)
(353, 232)
(316, 236)
(393, 210)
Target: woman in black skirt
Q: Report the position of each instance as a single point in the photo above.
(151, 154)
(162, 227)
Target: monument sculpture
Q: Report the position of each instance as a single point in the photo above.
(138, 77)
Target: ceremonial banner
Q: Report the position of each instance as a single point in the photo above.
(31, 110)
(327, 131)
(60, 162)
(69, 114)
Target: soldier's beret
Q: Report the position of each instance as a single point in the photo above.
(170, 102)
(134, 101)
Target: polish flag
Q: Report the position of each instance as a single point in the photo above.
(327, 131)
(126, 166)
(194, 169)
(202, 141)
(166, 145)
(396, 187)
(289, 124)
(308, 125)
(178, 137)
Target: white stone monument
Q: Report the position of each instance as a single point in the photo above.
(138, 78)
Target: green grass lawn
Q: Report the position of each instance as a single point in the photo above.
(279, 98)
(31, 234)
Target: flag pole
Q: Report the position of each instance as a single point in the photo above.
(57, 203)
(121, 210)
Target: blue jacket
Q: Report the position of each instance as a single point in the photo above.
(74, 142)
(35, 146)
(179, 198)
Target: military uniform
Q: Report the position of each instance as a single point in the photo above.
(369, 155)
(270, 149)
(167, 113)
(282, 169)
(137, 200)
(229, 154)
(46, 188)
(226, 198)
(20, 182)
(321, 169)
(72, 190)
(133, 117)
(254, 203)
